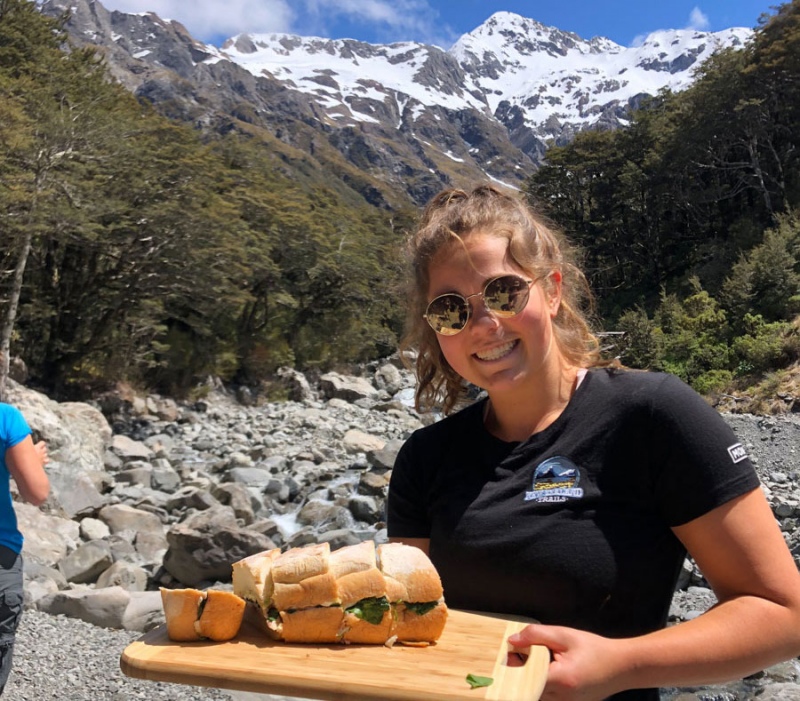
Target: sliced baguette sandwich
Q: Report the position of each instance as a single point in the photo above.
(305, 595)
(192, 614)
(292, 596)
(252, 581)
(362, 595)
(312, 595)
(415, 592)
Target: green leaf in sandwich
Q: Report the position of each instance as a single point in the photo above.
(371, 610)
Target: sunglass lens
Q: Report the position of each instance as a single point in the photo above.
(507, 295)
(447, 314)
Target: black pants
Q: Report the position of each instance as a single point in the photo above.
(11, 597)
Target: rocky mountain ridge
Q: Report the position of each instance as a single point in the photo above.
(409, 118)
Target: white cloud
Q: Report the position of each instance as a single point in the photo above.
(387, 19)
(207, 18)
(698, 19)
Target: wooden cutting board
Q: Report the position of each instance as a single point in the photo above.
(472, 643)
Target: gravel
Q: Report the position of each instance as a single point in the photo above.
(66, 659)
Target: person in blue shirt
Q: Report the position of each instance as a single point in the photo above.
(23, 460)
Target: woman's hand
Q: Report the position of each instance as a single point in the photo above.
(26, 463)
(41, 451)
(582, 665)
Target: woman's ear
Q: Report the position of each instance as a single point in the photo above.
(553, 292)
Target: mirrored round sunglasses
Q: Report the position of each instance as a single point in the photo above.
(503, 296)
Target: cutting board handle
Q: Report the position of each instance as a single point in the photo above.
(523, 683)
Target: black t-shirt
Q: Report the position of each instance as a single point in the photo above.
(573, 525)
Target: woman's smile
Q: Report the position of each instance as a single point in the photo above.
(496, 352)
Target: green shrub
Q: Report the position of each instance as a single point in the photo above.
(643, 344)
(712, 381)
(764, 347)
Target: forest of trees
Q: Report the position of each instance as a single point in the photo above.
(133, 247)
(689, 219)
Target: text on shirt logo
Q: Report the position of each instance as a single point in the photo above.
(737, 452)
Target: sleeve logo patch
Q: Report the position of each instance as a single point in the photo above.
(737, 452)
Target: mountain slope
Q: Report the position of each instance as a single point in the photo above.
(395, 123)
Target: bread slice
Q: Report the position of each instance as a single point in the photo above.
(303, 579)
(193, 615)
(357, 574)
(297, 564)
(181, 610)
(252, 577)
(362, 592)
(409, 574)
(410, 625)
(369, 621)
(221, 616)
(415, 590)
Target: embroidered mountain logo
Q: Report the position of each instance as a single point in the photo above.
(737, 452)
(555, 480)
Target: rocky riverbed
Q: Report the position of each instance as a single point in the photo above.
(148, 492)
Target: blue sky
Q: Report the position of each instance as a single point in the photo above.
(441, 22)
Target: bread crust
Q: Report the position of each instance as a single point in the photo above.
(322, 624)
(297, 564)
(318, 590)
(221, 617)
(360, 585)
(357, 630)
(410, 627)
(181, 611)
(353, 558)
(409, 574)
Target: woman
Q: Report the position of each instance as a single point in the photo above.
(573, 491)
(23, 460)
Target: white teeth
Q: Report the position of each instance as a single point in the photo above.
(497, 352)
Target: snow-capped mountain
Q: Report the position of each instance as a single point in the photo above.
(407, 115)
(557, 78)
(557, 81)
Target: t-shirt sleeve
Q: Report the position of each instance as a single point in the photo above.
(13, 427)
(406, 510)
(701, 462)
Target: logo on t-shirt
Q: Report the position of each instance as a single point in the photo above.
(737, 452)
(555, 480)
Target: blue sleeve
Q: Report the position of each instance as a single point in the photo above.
(13, 427)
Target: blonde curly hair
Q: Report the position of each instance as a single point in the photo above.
(536, 248)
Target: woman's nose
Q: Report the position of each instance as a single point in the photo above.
(481, 314)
